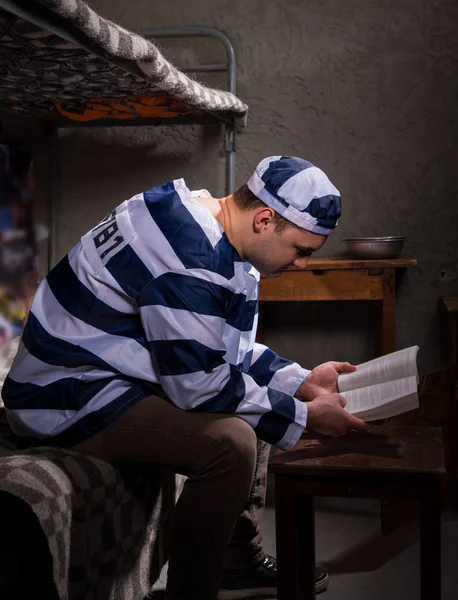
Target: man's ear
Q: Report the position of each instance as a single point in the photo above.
(263, 218)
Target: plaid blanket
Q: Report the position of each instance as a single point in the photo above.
(106, 530)
(138, 55)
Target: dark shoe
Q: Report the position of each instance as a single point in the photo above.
(260, 580)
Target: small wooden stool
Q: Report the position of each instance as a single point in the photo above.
(450, 311)
(386, 462)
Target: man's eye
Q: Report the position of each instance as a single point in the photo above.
(301, 253)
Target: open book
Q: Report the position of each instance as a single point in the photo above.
(382, 387)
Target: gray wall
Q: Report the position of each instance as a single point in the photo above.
(367, 90)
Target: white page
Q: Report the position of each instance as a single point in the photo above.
(398, 365)
(396, 407)
(407, 402)
(374, 396)
(391, 409)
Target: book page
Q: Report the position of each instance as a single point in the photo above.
(399, 405)
(392, 409)
(374, 396)
(397, 365)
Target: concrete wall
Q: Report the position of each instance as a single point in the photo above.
(367, 90)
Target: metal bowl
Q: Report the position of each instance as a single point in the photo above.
(375, 247)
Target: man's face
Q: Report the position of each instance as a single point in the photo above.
(273, 251)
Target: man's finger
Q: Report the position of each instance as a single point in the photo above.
(343, 401)
(358, 424)
(343, 367)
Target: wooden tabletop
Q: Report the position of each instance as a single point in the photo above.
(384, 450)
(451, 303)
(322, 264)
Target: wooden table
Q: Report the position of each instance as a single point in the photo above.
(450, 310)
(387, 462)
(340, 279)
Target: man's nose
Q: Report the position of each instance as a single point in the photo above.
(301, 262)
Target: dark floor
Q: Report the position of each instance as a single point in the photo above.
(361, 562)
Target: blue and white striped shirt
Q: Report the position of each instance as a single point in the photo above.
(153, 300)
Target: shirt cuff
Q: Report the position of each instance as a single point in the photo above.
(303, 374)
(296, 429)
(288, 379)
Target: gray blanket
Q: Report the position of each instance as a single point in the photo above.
(105, 528)
(69, 66)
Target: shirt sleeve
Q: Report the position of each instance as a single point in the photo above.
(267, 368)
(184, 318)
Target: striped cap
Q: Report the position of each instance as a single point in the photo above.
(298, 191)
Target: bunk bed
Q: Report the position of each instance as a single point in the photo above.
(63, 64)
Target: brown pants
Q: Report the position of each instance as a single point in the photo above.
(216, 520)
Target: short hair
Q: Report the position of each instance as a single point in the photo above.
(246, 200)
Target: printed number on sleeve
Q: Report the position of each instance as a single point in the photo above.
(107, 237)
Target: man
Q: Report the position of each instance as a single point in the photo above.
(140, 348)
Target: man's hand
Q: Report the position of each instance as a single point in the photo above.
(323, 380)
(327, 416)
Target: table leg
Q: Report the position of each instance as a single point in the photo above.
(306, 547)
(286, 538)
(430, 543)
(387, 317)
(386, 345)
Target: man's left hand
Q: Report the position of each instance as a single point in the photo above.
(323, 380)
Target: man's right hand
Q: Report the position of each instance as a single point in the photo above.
(327, 416)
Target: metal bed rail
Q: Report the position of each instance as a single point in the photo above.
(229, 67)
(52, 22)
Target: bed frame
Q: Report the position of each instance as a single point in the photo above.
(63, 64)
